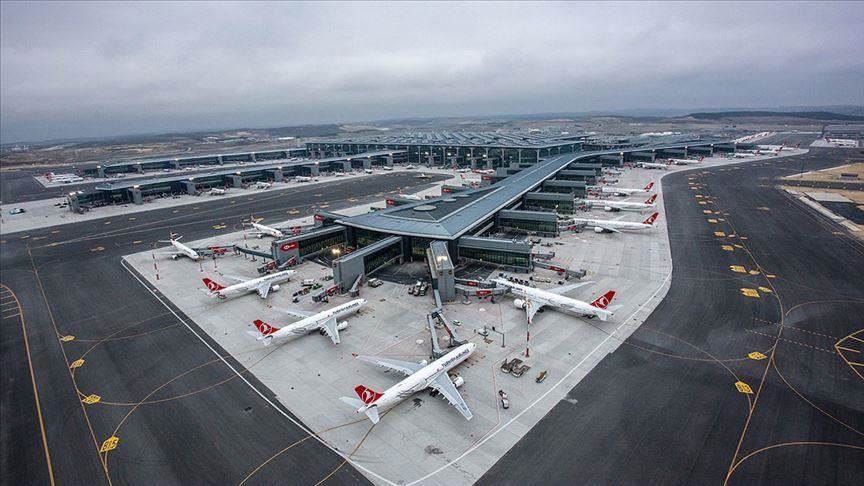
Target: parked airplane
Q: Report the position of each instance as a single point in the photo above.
(180, 249)
(386, 167)
(652, 165)
(302, 179)
(625, 191)
(420, 376)
(262, 230)
(422, 176)
(411, 197)
(615, 226)
(842, 142)
(263, 185)
(609, 205)
(484, 171)
(261, 285)
(325, 321)
(533, 299)
(216, 191)
(686, 161)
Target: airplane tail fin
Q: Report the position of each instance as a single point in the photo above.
(212, 286)
(651, 199)
(368, 395)
(649, 186)
(650, 220)
(264, 328)
(603, 301)
(372, 413)
(701, 158)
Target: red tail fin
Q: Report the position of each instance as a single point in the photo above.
(651, 199)
(603, 301)
(212, 286)
(649, 186)
(701, 158)
(368, 395)
(264, 328)
(651, 219)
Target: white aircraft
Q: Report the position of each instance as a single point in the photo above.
(422, 176)
(652, 165)
(263, 185)
(325, 321)
(484, 171)
(685, 161)
(842, 142)
(463, 170)
(611, 171)
(615, 226)
(261, 285)
(409, 167)
(609, 205)
(262, 230)
(420, 376)
(625, 191)
(180, 249)
(411, 197)
(532, 300)
(302, 179)
(216, 191)
(386, 167)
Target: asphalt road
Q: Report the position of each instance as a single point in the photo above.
(180, 413)
(664, 408)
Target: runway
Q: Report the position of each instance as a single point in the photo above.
(109, 359)
(687, 399)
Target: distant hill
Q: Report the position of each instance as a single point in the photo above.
(808, 115)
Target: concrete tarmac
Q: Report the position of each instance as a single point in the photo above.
(179, 411)
(683, 401)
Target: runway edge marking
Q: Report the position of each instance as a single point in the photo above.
(243, 378)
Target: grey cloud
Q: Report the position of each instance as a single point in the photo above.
(90, 69)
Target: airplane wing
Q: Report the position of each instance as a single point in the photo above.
(448, 390)
(567, 288)
(404, 367)
(236, 279)
(300, 314)
(263, 289)
(329, 327)
(608, 228)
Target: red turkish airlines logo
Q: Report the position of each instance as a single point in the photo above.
(368, 396)
(319, 217)
(288, 246)
(212, 285)
(602, 301)
(265, 329)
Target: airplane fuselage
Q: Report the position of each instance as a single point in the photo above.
(184, 250)
(253, 284)
(422, 379)
(267, 230)
(560, 302)
(309, 324)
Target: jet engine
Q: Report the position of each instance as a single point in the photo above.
(611, 209)
(598, 229)
(457, 380)
(520, 304)
(274, 288)
(342, 325)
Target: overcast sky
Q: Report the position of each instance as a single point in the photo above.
(72, 69)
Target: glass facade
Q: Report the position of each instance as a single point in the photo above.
(318, 243)
(366, 237)
(530, 225)
(498, 257)
(551, 204)
(382, 256)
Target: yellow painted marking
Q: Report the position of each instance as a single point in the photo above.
(77, 363)
(756, 355)
(107, 222)
(54, 244)
(727, 247)
(175, 211)
(294, 211)
(847, 349)
(25, 237)
(136, 242)
(702, 202)
(763, 208)
(68, 338)
(719, 233)
(219, 226)
(765, 290)
(743, 237)
(706, 211)
(770, 275)
(40, 238)
(749, 293)
(55, 232)
(98, 248)
(738, 246)
(712, 220)
(318, 195)
(737, 268)
(110, 444)
(754, 272)
(91, 399)
(720, 219)
(743, 387)
(698, 196)
(132, 219)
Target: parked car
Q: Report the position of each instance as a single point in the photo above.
(17, 211)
